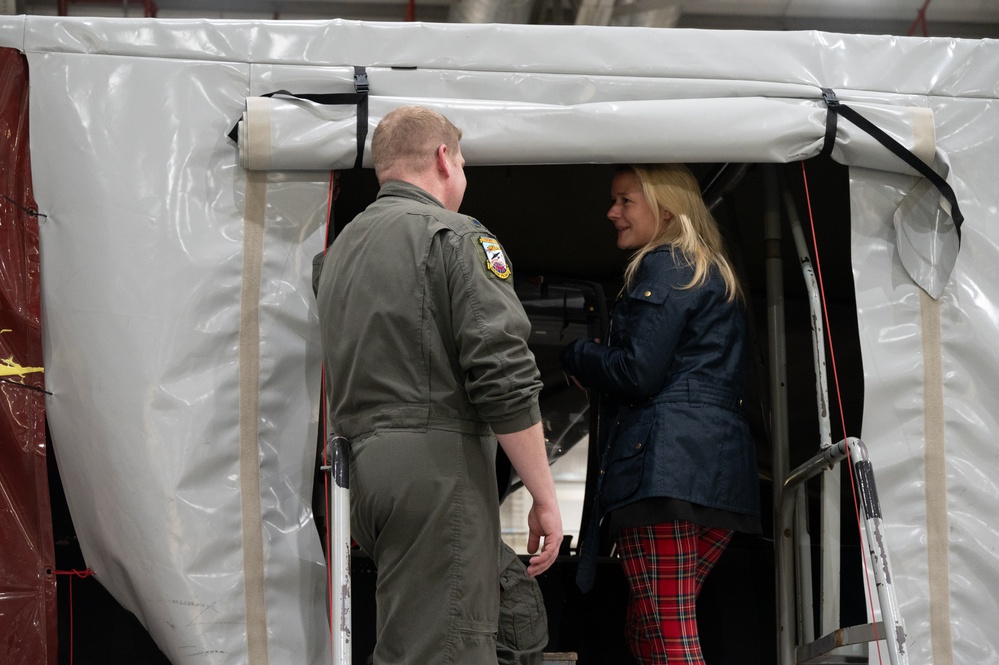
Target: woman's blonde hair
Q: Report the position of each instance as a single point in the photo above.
(692, 229)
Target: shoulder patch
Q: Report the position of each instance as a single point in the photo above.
(495, 260)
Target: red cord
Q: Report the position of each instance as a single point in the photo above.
(842, 417)
(326, 499)
(334, 191)
(920, 21)
(73, 573)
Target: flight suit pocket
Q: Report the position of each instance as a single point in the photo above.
(523, 622)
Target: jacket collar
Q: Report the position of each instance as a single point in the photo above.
(408, 191)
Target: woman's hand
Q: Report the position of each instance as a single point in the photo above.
(566, 361)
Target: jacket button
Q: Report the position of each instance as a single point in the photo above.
(638, 447)
(648, 293)
(602, 472)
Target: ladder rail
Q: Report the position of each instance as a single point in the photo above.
(894, 627)
(878, 551)
(338, 455)
(830, 518)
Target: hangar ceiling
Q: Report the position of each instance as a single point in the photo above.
(939, 18)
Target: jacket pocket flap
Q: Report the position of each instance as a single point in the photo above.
(652, 292)
(625, 463)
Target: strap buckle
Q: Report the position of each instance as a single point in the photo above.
(830, 98)
(360, 80)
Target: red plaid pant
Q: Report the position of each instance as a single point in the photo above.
(665, 565)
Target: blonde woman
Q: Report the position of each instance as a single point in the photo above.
(678, 472)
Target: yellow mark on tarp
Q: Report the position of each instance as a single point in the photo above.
(10, 368)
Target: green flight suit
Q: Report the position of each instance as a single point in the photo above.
(425, 346)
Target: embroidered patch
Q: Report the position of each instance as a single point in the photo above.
(495, 260)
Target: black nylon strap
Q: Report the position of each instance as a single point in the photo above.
(358, 98)
(830, 141)
(361, 86)
(837, 108)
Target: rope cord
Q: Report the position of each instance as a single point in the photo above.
(30, 212)
(82, 574)
(920, 21)
(842, 416)
(25, 385)
(326, 500)
(334, 191)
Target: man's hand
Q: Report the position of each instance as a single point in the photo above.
(543, 522)
(526, 450)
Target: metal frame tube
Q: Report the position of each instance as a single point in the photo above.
(778, 379)
(831, 491)
(784, 543)
(803, 568)
(338, 455)
(891, 616)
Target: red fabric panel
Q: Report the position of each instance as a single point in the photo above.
(27, 584)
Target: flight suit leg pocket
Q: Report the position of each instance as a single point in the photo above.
(523, 621)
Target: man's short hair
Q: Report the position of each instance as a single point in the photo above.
(408, 137)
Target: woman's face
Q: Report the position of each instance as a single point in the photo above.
(633, 219)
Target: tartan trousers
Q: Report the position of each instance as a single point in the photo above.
(665, 565)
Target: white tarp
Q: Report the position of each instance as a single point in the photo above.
(181, 340)
(301, 135)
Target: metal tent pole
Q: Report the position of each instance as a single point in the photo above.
(778, 393)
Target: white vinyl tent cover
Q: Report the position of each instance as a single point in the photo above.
(180, 334)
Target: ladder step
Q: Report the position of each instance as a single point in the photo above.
(821, 650)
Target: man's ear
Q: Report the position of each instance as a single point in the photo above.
(443, 159)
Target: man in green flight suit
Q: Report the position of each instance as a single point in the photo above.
(425, 346)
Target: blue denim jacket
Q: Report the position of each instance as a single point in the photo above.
(675, 372)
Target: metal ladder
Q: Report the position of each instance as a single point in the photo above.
(796, 644)
(891, 629)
